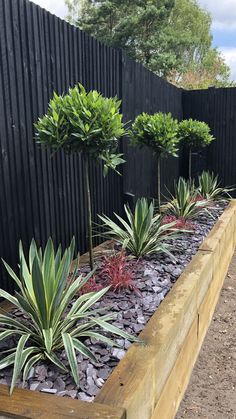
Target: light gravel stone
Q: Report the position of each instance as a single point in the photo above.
(48, 390)
(118, 353)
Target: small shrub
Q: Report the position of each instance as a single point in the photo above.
(142, 233)
(198, 198)
(180, 223)
(116, 272)
(91, 286)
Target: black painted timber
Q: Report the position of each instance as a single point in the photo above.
(217, 107)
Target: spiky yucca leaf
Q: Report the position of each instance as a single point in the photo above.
(45, 294)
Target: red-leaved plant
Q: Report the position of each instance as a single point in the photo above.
(115, 270)
(91, 286)
(199, 198)
(180, 223)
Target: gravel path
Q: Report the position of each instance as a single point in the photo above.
(212, 389)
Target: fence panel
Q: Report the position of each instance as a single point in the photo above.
(217, 107)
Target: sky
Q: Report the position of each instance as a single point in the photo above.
(223, 14)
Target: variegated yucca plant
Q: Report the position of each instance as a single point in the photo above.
(52, 324)
(142, 232)
(210, 189)
(184, 203)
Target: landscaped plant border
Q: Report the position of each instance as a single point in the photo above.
(149, 382)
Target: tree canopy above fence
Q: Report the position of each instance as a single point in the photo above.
(171, 38)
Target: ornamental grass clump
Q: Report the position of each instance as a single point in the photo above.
(86, 123)
(194, 135)
(142, 233)
(53, 324)
(179, 223)
(91, 286)
(209, 188)
(116, 271)
(184, 203)
(158, 132)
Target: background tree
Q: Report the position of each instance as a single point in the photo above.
(171, 38)
(198, 64)
(194, 135)
(86, 123)
(158, 132)
(136, 26)
(211, 71)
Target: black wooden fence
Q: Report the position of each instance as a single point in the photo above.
(217, 107)
(42, 196)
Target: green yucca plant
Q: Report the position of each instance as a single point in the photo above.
(142, 233)
(44, 295)
(184, 203)
(209, 188)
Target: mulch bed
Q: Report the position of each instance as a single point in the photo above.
(154, 278)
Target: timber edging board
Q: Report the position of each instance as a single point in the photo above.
(150, 381)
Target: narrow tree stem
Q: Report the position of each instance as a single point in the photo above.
(89, 213)
(190, 164)
(159, 183)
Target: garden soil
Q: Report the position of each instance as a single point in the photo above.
(212, 390)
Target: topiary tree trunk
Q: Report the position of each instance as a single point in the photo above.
(190, 164)
(159, 183)
(89, 213)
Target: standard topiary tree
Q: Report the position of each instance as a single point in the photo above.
(87, 123)
(194, 135)
(159, 132)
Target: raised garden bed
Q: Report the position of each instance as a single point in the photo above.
(150, 380)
